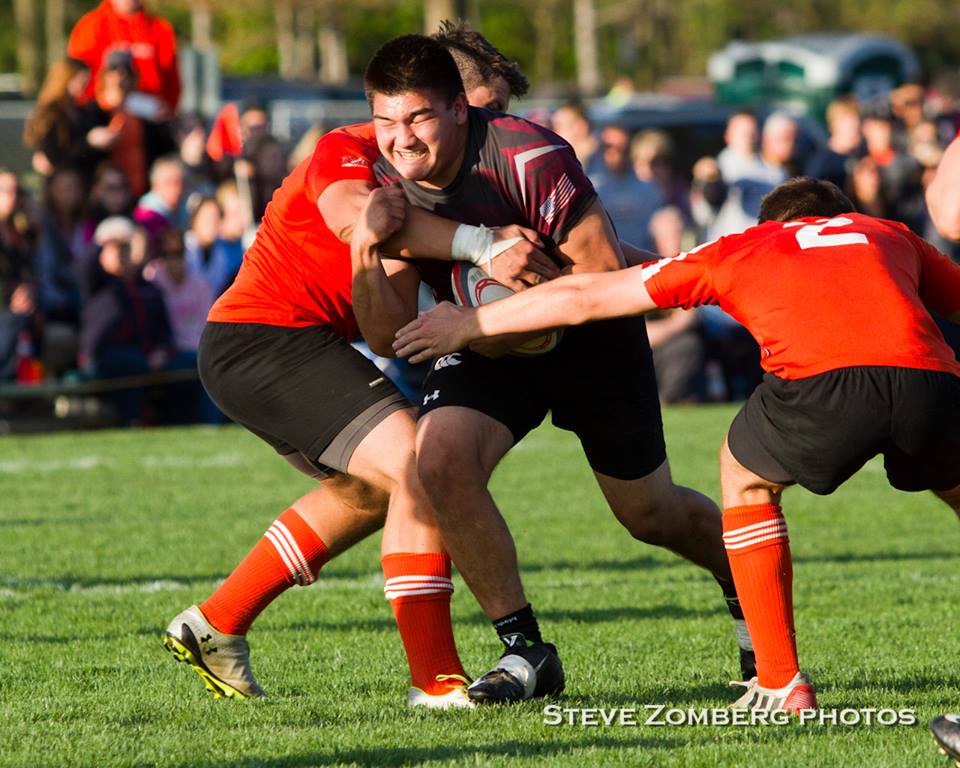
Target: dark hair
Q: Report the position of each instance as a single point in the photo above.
(479, 62)
(170, 243)
(801, 197)
(413, 63)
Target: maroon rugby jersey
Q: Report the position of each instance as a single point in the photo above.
(514, 172)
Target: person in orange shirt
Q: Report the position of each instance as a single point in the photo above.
(855, 367)
(127, 25)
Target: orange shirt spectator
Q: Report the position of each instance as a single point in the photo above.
(126, 25)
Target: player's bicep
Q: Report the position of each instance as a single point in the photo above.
(591, 245)
(340, 204)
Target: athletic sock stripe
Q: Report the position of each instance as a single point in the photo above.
(281, 541)
(754, 526)
(392, 594)
(728, 540)
(304, 565)
(758, 540)
(431, 579)
(752, 530)
(406, 587)
(277, 545)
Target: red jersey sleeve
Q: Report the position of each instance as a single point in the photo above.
(684, 280)
(939, 280)
(341, 155)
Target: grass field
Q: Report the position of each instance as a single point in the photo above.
(105, 536)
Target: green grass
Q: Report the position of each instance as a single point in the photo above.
(104, 537)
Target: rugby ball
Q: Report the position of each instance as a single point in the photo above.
(473, 287)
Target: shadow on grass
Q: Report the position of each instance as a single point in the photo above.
(585, 615)
(878, 557)
(401, 756)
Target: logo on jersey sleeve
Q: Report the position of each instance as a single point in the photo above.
(559, 196)
(348, 161)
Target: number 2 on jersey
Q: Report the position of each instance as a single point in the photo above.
(810, 235)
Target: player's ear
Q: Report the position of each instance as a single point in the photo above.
(460, 108)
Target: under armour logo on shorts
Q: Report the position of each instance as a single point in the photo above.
(433, 396)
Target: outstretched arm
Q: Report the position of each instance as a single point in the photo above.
(943, 194)
(571, 300)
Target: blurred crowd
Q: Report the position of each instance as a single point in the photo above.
(883, 154)
(141, 221)
(144, 214)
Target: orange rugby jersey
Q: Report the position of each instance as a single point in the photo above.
(821, 294)
(297, 272)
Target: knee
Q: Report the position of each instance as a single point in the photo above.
(445, 475)
(650, 521)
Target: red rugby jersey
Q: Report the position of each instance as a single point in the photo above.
(297, 272)
(821, 294)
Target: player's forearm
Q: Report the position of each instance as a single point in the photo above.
(424, 235)
(570, 300)
(379, 308)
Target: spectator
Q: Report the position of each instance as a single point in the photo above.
(188, 299)
(739, 158)
(834, 161)
(707, 195)
(747, 177)
(570, 123)
(237, 225)
(652, 154)
(899, 173)
(866, 189)
(269, 170)
(125, 25)
(17, 297)
(61, 263)
(56, 131)
(629, 201)
(110, 195)
(198, 170)
(124, 328)
(209, 255)
(778, 143)
(678, 348)
(113, 128)
(162, 207)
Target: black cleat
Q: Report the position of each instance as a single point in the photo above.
(523, 672)
(946, 732)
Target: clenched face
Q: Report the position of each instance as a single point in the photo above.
(420, 136)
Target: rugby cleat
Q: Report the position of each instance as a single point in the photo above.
(455, 698)
(222, 661)
(946, 732)
(795, 696)
(523, 672)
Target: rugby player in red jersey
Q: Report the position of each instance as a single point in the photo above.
(855, 366)
(482, 167)
(275, 356)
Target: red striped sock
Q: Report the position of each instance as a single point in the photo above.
(289, 553)
(419, 588)
(758, 548)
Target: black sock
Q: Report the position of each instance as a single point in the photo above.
(521, 622)
(730, 595)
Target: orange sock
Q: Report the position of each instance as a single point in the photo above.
(758, 548)
(289, 553)
(418, 587)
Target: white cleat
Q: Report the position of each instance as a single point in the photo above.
(221, 660)
(796, 696)
(455, 698)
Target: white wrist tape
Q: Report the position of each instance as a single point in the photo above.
(475, 244)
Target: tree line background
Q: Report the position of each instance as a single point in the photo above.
(559, 43)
